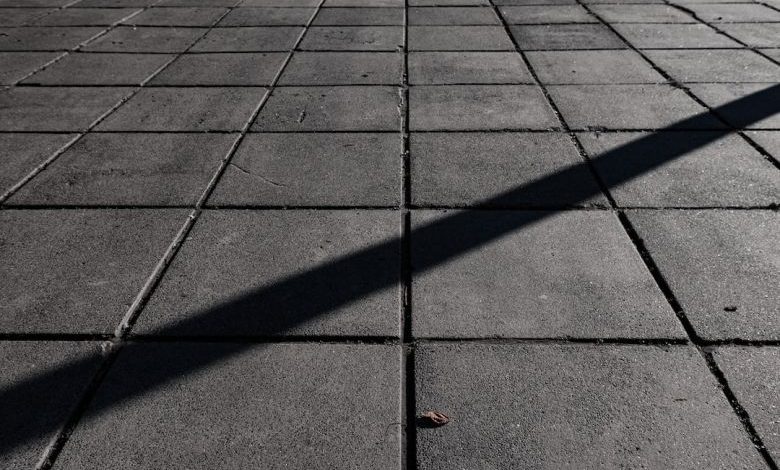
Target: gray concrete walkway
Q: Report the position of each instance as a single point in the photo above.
(277, 233)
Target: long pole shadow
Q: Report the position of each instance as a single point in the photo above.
(296, 299)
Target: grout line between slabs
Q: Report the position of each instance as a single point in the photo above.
(60, 439)
(408, 457)
(663, 284)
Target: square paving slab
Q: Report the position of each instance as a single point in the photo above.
(365, 108)
(343, 68)
(21, 153)
(87, 16)
(359, 17)
(621, 13)
(673, 36)
(265, 406)
(754, 376)
(721, 171)
(77, 271)
(755, 34)
(248, 39)
(724, 65)
(163, 16)
(220, 69)
(435, 68)
(575, 406)
(479, 107)
(146, 39)
(353, 38)
(630, 107)
(567, 274)
(451, 16)
(499, 169)
(717, 95)
(40, 385)
(546, 14)
(459, 38)
(100, 69)
(56, 109)
(592, 67)
(282, 273)
(16, 65)
(267, 17)
(721, 265)
(313, 169)
(129, 169)
(566, 36)
(186, 109)
(44, 38)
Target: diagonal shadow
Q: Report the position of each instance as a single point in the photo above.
(298, 298)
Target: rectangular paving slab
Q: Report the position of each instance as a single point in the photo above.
(313, 170)
(186, 109)
(754, 376)
(40, 385)
(338, 108)
(754, 34)
(721, 265)
(479, 107)
(630, 107)
(566, 274)
(204, 406)
(575, 406)
(129, 169)
(721, 171)
(282, 273)
(56, 109)
(493, 168)
(77, 271)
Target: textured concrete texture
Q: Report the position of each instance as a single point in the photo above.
(288, 233)
(722, 265)
(574, 274)
(208, 282)
(77, 271)
(290, 406)
(575, 406)
(47, 404)
(754, 373)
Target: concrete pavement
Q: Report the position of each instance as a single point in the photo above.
(274, 233)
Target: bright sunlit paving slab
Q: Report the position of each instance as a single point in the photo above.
(402, 234)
